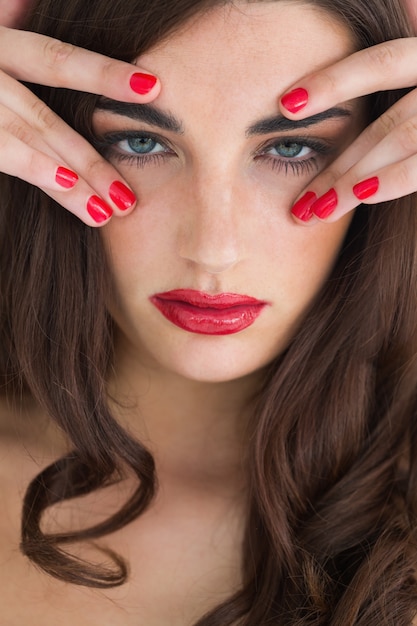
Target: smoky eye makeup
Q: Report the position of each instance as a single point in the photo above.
(285, 154)
(295, 155)
(134, 147)
(291, 155)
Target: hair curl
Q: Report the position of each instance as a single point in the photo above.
(331, 526)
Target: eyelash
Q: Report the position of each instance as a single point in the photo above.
(106, 146)
(298, 166)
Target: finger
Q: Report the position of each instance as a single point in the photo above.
(59, 181)
(394, 181)
(39, 59)
(391, 138)
(378, 68)
(389, 171)
(24, 154)
(45, 132)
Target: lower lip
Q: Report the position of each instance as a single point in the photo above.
(208, 320)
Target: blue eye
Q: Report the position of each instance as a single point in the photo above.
(294, 155)
(289, 150)
(140, 145)
(139, 148)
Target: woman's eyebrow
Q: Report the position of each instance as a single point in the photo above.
(165, 120)
(279, 123)
(143, 113)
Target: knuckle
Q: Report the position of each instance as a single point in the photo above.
(95, 166)
(56, 52)
(326, 82)
(407, 135)
(107, 69)
(385, 124)
(383, 58)
(32, 165)
(404, 176)
(42, 115)
(327, 178)
(20, 131)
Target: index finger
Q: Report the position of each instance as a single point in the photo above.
(389, 65)
(43, 60)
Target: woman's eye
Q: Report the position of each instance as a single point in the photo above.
(289, 150)
(136, 148)
(295, 155)
(140, 145)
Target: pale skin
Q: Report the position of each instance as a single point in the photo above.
(187, 396)
(34, 137)
(383, 160)
(36, 143)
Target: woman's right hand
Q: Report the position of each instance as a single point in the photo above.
(38, 147)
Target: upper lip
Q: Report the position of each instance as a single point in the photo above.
(207, 300)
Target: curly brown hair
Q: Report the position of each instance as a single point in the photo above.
(331, 526)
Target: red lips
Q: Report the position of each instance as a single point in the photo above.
(206, 314)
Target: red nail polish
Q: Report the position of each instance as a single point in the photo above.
(295, 100)
(142, 83)
(302, 208)
(366, 188)
(325, 205)
(121, 195)
(65, 177)
(98, 209)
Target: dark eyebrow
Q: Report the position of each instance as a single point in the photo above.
(279, 123)
(143, 113)
(150, 114)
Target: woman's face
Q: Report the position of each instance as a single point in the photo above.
(216, 170)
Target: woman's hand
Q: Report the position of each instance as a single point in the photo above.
(36, 145)
(381, 164)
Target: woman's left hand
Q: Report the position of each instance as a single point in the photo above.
(381, 164)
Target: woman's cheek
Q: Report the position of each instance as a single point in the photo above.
(147, 179)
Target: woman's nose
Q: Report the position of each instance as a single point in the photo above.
(211, 232)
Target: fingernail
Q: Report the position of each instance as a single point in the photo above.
(98, 209)
(295, 100)
(366, 188)
(325, 205)
(121, 195)
(65, 177)
(302, 208)
(142, 83)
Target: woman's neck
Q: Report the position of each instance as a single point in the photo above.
(196, 431)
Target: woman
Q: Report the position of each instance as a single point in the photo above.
(40, 60)
(264, 377)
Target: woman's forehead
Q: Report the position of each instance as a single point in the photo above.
(249, 52)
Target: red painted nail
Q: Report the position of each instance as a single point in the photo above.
(325, 205)
(366, 188)
(65, 177)
(121, 195)
(302, 208)
(295, 100)
(142, 83)
(98, 209)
